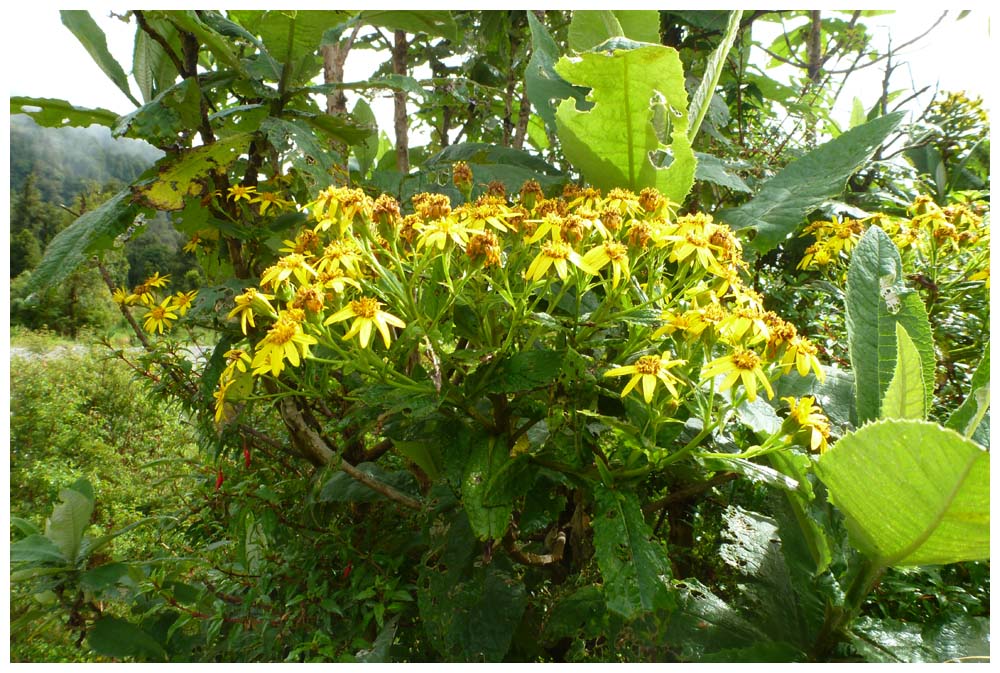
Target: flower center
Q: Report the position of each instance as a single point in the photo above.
(281, 333)
(648, 364)
(366, 307)
(615, 251)
(744, 359)
(556, 250)
(696, 240)
(157, 312)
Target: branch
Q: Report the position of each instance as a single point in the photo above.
(902, 46)
(689, 492)
(529, 558)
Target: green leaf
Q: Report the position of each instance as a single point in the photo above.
(526, 370)
(292, 35)
(114, 637)
(579, 615)
(634, 567)
(487, 457)
(189, 22)
(712, 169)
(36, 549)
(379, 652)
(366, 151)
(541, 80)
(913, 493)
(704, 623)
(871, 328)
(102, 577)
(610, 144)
(90, 35)
(178, 175)
(949, 638)
(342, 488)
(91, 232)
(334, 127)
(68, 521)
(967, 419)
(797, 466)
(702, 98)
(858, 114)
(589, 28)
(313, 158)
(756, 473)
(56, 112)
(437, 23)
(904, 398)
(784, 201)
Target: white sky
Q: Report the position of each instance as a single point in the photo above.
(45, 60)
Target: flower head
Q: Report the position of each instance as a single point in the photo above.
(183, 301)
(367, 312)
(741, 365)
(159, 316)
(648, 370)
(807, 423)
(284, 341)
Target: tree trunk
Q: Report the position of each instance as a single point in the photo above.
(399, 98)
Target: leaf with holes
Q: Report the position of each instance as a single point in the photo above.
(57, 112)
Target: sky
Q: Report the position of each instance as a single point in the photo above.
(50, 63)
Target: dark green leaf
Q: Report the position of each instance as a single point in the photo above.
(487, 457)
(56, 112)
(784, 201)
(579, 615)
(342, 488)
(114, 637)
(90, 35)
(542, 82)
(966, 419)
(36, 549)
(379, 652)
(634, 567)
(712, 169)
(334, 127)
(438, 23)
(526, 370)
(366, 151)
(102, 577)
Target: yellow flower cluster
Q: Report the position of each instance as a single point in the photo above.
(160, 314)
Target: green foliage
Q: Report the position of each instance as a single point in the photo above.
(914, 493)
(589, 28)
(90, 35)
(904, 398)
(612, 143)
(54, 112)
(972, 419)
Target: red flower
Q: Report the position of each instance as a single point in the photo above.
(246, 456)
(219, 479)
(347, 570)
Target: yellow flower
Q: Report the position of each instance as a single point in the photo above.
(289, 265)
(156, 280)
(555, 253)
(366, 312)
(238, 359)
(802, 353)
(159, 316)
(237, 192)
(220, 398)
(268, 199)
(608, 252)
(305, 243)
(648, 369)
(183, 300)
(438, 232)
(285, 340)
(192, 244)
(122, 297)
(248, 302)
(341, 253)
(741, 365)
(693, 243)
(335, 280)
(983, 274)
(805, 418)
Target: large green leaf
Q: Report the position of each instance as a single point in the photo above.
(68, 521)
(969, 418)
(634, 567)
(366, 152)
(784, 201)
(611, 143)
(438, 23)
(487, 456)
(56, 112)
(871, 328)
(947, 638)
(904, 398)
(913, 492)
(114, 637)
(311, 156)
(713, 70)
(90, 233)
(90, 35)
(189, 22)
(343, 488)
(589, 28)
(541, 80)
(178, 177)
(36, 549)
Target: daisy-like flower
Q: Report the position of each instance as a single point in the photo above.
(159, 316)
(305, 243)
(802, 353)
(696, 246)
(308, 297)
(269, 199)
(648, 370)
(156, 280)
(741, 365)
(249, 302)
(183, 301)
(122, 297)
(608, 252)
(336, 280)
(983, 274)
(806, 423)
(341, 254)
(437, 233)
(623, 201)
(284, 341)
(193, 244)
(484, 247)
(743, 320)
(286, 267)
(366, 312)
(238, 359)
(237, 192)
(221, 406)
(555, 253)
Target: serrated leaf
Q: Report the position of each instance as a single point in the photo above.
(541, 80)
(91, 232)
(90, 35)
(912, 492)
(313, 158)
(526, 370)
(968, 418)
(634, 567)
(114, 637)
(904, 398)
(189, 22)
(702, 97)
(784, 201)
(589, 28)
(177, 176)
(712, 169)
(68, 521)
(438, 23)
(57, 112)
(761, 474)
(335, 127)
(871, 329)
(102, 577)
(610, 144)
(366, 151)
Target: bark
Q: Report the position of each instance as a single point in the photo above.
(399, 99)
